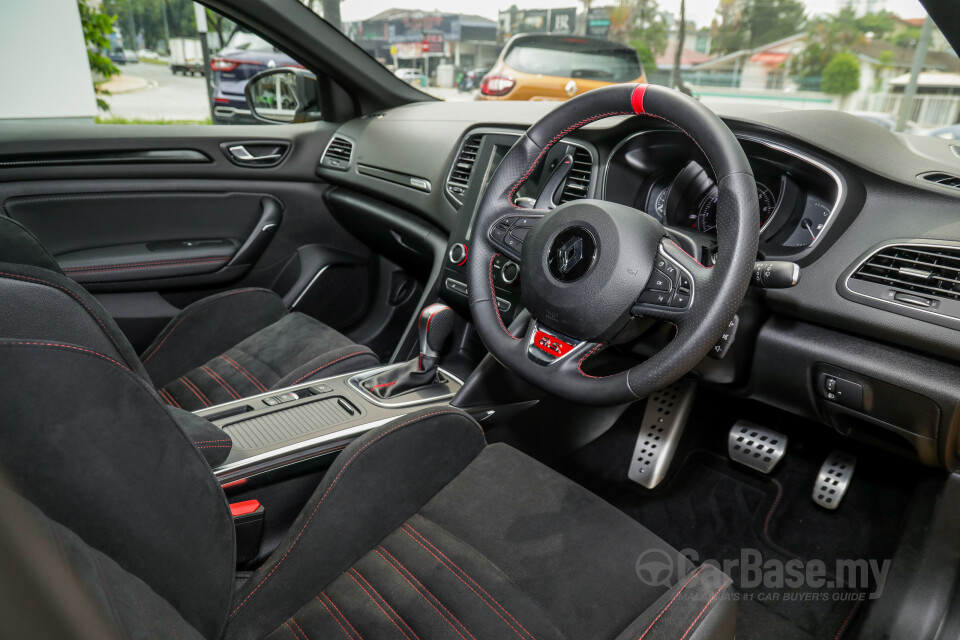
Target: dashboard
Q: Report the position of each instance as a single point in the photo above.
(872, 218)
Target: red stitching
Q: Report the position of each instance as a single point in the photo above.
(584, 358)
(216, 446)
(385, 384)
(327, 492)
(554, 141)
(166, 395)
(239, 367)
(65, 346)
(384, 602)
(196, 391)
(210, 441)
(349, 355)
(75, 297)
(407, 525)
(143, 265)
(690, 256)
(298, 628)
(345, 619)
(705, 607)
(335, 619)
(846, 621)
(216, 378)
(188, 314)
(493, 293)
(400, 573)
(287, 625)
(675, 596)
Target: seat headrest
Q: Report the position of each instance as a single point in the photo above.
(19, 246)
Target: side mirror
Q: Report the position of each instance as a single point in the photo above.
(284, 94)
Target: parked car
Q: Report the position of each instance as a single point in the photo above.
(554, 67)
(148, 54)
(186, 56)
(245, 55)
(413, 76)
(116, 56)
(948, 132)
(130, 56)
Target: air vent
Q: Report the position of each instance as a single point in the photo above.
(337, 154)
(945, 179)
(462, 167)
(577, 185)
(924, 270)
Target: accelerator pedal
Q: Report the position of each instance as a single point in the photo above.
(834, 478)
(756, 447)
(663, 422)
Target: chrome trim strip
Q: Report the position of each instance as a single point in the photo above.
(303, 445)
(310, 284)
(355, 383)
(771, 145)
(927, 245)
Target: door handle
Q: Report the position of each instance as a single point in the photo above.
(240, 152)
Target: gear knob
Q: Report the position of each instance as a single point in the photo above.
(435, 324)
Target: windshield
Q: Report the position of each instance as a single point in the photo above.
(883, 61)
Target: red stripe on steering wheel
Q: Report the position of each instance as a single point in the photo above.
(636, 99)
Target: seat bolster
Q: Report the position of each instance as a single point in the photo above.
(213, 442)
(699, 607)
(207, 328)
(374, 486)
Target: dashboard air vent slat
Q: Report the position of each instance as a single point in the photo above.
(944, 179)
(577, 185)
(338, 153)
(463, 166)
(929, 271)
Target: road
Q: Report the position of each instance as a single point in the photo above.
(168, 96)
(179, 97)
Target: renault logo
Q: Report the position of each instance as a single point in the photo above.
(571, 254)
(571, 88)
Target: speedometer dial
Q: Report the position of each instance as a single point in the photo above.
(705, 218)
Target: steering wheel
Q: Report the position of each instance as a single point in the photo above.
(588, 268)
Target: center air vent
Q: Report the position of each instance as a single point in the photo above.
(577, 185)
(944, 179)
(919, 276)
(462, 167)
(338, 153)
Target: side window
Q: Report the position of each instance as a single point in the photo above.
(156, 62)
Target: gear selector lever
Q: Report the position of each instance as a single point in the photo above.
(434, 325)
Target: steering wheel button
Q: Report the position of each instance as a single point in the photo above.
(520, 233)
(659, 282)
(680, 300)
(655, 297)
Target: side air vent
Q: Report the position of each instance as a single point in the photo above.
(338, 153)
(917, 277)
(462, 167)
(945, 179)
(577, 185)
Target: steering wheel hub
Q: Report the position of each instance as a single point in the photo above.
(582, 266)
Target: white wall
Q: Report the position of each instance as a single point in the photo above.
(45, 72)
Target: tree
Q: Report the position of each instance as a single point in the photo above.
(728, 35)
(647, 58)
(771, 20)
(97, 27)
(841, 76)
(827, 37)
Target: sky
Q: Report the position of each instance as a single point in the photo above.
(700, 11)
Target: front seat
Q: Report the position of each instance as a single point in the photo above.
(418, 531)
(224, 347)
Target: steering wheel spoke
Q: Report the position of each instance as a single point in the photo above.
(673, 285)
(509, 231)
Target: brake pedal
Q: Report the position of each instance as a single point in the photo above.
(834, 478)
(663, 422)
(756, 447)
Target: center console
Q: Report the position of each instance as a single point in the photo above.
(305, 421)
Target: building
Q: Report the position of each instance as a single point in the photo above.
(401, 38)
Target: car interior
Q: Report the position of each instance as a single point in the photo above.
(622, 366)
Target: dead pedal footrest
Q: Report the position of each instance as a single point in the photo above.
(833, 479)
(663, 421)
(756, 447)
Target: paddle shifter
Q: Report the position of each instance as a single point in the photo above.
(434, 325)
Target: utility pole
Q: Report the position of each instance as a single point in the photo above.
(910, 91)
(200, 13)
(675, 79)
(166, 26)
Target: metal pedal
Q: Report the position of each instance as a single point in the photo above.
(834, 478)
(663, 422)
(756, 447)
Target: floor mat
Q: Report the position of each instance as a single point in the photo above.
(718, 509)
